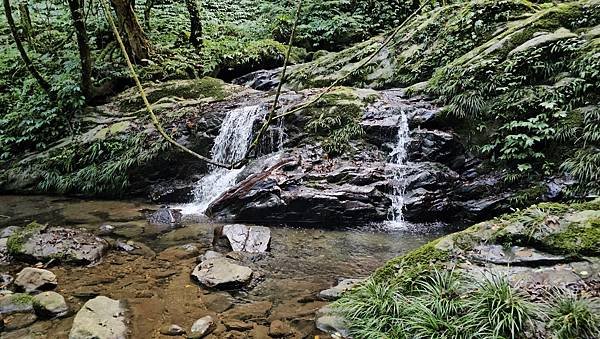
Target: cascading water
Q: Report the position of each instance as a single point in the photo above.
(397, 168)
(230, 146)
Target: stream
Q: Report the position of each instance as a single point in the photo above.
(155, 282)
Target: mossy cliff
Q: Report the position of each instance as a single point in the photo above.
(518, 80)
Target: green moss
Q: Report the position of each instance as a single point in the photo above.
(579, 238)
(15, 242)
(406, 269)
(22, 299)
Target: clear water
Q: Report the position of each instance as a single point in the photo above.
(230, 146)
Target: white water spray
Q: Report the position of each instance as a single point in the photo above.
(230, 146)
(397, 167)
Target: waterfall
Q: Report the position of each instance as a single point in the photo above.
(397, 168)
(230, 146)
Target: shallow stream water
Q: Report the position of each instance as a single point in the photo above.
(155, 281)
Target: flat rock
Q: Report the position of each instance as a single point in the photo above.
(515, 255)
(221, 273)
(279, 329)
(253, 239)
(337, 291)
(19, 321)
(101, 318)
(39, 243)
(50, 304)
(8, 231)
(35, 279)
(252, 311)
(202, 327)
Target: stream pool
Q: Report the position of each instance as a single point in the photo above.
(154, 280)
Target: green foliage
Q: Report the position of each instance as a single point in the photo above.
(442, 304)
(336, 120)
(573, 316)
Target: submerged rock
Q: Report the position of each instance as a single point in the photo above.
(35, 279)
(100, 317)
(172, 330)
(220, 272)
(40, 243)
(330, 322)
(253, 239)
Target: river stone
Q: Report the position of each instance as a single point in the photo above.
(329, 322)
(35, 279)
(279, 329)
(16, 303)
(253, 239)
(19, 321)
(221, 273)
(172, 330)
(4, 255)
(337, 291)
(202, 327)
(50, 304)
(67, 245)
(101, 318)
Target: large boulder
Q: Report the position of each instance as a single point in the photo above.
(220, 272)
(41, 243)
(101, 318)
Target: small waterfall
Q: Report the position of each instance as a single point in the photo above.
(230, 146)
(397, 168)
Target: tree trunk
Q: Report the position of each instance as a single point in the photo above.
(76, 8)
(147, 9)
(34, 72)
(26, 21)
(195, 23)
(138, 42)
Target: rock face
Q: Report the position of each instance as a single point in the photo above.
(253, 239)
(100, 317)
(40, 243)
(165, 216)
(34, 279)
(220, 272)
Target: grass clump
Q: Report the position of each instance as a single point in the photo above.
(571, 316)
(443, 304)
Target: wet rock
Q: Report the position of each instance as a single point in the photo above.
(124, 246)
(202, 327)
(18, 321)
(50, 304)
(4, 255)
(8, 231)
(217, 302)
(262, 80)
(221, 273)
(329, 322)
(172, 330)
(5, 280)
(165, 216)
(100, 317)
(210, 255)
(16, 303)
(179, 252)
(253, 239)
(39, 243)
(337, 291)
(105, 230)
(35, 279)
(279, 329)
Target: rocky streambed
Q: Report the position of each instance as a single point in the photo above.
(105, 268)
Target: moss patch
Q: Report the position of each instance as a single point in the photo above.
(15, 242)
